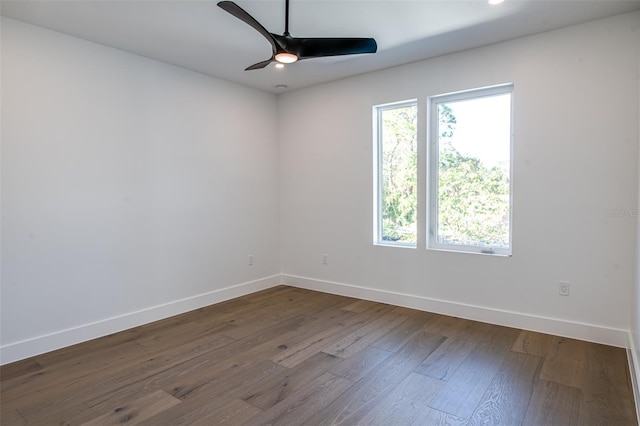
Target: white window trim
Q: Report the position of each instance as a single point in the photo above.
(433, 166)
(377, 172)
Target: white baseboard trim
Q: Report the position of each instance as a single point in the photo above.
(634, 370)
(558, 327)
(593, 333)
(30, 347)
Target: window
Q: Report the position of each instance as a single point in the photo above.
(470, 171)
(395, 166)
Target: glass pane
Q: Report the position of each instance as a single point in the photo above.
(474, 144)
(399, 174)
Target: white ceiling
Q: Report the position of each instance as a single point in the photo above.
(200, 36)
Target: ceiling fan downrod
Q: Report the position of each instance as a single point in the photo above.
(286, 19)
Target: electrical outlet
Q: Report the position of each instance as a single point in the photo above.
(563, 288)
(325, 259)
(250, 260)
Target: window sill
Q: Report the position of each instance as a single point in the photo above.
(396, 245)
(448, 250)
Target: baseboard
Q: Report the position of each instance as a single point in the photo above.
(634, 370)
(558, 327)
(63, 338)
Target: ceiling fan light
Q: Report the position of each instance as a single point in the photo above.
(286, 58)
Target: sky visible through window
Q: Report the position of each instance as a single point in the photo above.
(483, 129)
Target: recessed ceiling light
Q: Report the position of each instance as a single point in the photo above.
(281, 86)
(494, 2)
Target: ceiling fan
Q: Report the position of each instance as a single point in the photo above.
(287, 49)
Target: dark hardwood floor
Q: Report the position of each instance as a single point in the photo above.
(287, 356)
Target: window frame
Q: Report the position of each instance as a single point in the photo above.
(378, 110)
(433, 162)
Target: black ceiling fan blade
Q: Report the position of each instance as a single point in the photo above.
(259, 65)
(319, 47)
(242, 14)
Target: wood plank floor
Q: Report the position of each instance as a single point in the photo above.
(288, 356)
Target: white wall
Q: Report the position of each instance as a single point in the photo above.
(634, 326)
(576, 157)
(131, 190)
